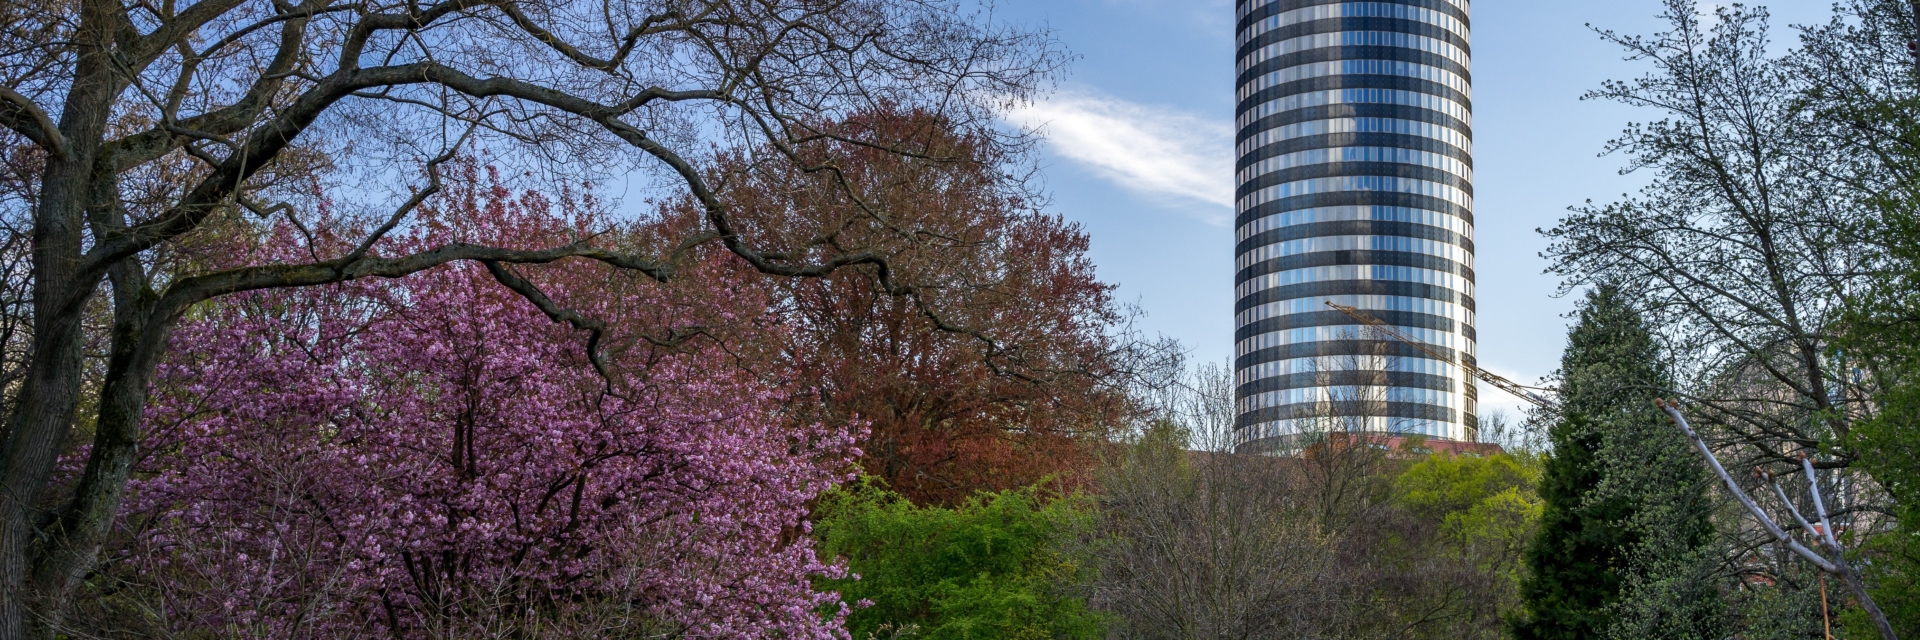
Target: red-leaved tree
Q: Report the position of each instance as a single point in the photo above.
(431, 455)
(1028, 367)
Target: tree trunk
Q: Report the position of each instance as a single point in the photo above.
(40, 422)
(50, 390)
(44, 410)
(74, 537)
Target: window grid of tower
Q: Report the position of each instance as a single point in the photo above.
(1355, 186)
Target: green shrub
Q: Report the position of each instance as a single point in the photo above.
(990, 569)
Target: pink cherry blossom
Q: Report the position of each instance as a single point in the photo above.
(433, 455)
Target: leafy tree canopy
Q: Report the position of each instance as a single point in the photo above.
(984, 569)
(1485, 503)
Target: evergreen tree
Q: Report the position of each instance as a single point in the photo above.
(1575, 565)
(1612, 373)
(1623, 543)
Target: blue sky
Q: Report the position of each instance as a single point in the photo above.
(1140, 151)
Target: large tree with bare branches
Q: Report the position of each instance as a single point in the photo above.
(1767, 252)
(137, 128)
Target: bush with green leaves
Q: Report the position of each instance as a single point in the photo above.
(1487, 506)
(992, 568)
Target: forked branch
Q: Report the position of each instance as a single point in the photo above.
(1834, 561)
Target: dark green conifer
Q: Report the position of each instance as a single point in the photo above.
(1575, 565)
(1623, 535)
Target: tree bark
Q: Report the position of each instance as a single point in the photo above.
(1859, 589)
(73, 539)
(50, 392)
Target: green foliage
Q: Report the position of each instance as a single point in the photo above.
(1488, 509)
(1487, 506)
(1883, 336)
(1885, 447)
(988, 569)
(1895, 579)
(1789, 607)
(1625, 543)
(1672, 593)
(1578, 563)
(1575, 564)
(1613, 372)
(1612, 363)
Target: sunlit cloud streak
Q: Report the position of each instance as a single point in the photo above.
(1151, 150)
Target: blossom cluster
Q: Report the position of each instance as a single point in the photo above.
(433, 455)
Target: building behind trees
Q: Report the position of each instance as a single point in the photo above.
(1354, 181)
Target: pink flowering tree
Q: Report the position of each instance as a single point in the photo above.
(438, 456)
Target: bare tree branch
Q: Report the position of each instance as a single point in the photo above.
(20, 114)
(1836, 565)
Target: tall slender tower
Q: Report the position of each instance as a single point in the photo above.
(1355, 180)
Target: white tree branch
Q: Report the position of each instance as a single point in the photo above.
(1753, 508)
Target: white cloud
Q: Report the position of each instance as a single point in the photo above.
(1152, 150)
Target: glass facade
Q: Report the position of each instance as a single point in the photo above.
(1355, 186)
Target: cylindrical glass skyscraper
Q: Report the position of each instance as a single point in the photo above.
(1355, 179)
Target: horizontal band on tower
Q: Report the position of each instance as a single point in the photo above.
(1384, 273)
(1350, 198)
(1355, 169)
(1354, 288)
(1352, 378)
(1350, 331)
(1356, 23)
(1354, 132)
(1290, 437)
(1355, 52)
(1278, 7)
(1355, 184)
(1386, 111)
(1385, 347)
(1310, 158)
(1357, 213)
(1321, 395)
(1279, 107)
(1353, 228)
(1327, 244)
(1354, 81)
(1336, 318)
(1353, 39)
(1330, 365)
(1352, 256)
(1339, 408)
(1354, 69)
